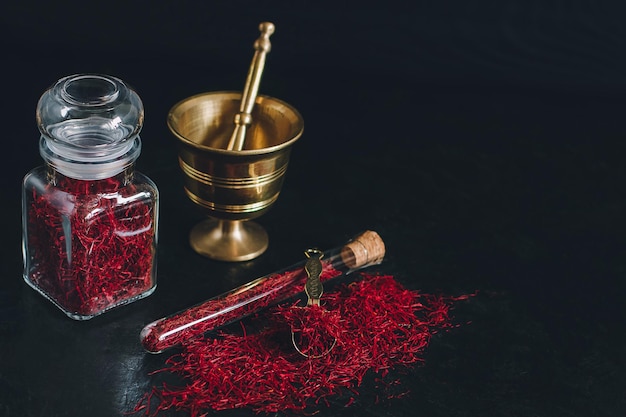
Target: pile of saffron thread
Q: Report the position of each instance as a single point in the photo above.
(375, 325)
(91, 252)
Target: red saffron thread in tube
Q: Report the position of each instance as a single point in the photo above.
(364, 250)
(379, 327)
(228, 308)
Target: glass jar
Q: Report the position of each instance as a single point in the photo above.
(90, 221)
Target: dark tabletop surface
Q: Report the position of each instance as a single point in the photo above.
(484, 141)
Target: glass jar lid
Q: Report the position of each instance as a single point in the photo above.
(90, 125)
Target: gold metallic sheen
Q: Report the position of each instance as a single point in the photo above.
(243, 119)
(232, 186)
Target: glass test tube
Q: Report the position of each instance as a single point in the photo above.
(364, 250)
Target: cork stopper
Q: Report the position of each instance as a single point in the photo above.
(364, 250)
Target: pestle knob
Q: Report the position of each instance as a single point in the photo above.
(244, 118)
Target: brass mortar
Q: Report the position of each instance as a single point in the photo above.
(233, 186)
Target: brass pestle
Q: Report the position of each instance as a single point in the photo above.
(244, 118)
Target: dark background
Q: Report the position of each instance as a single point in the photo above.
(483, 140)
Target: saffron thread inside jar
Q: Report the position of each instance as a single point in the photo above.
(91, 243)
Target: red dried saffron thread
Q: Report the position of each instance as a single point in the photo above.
(91, 252)
(227, 308)
(378, 326)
